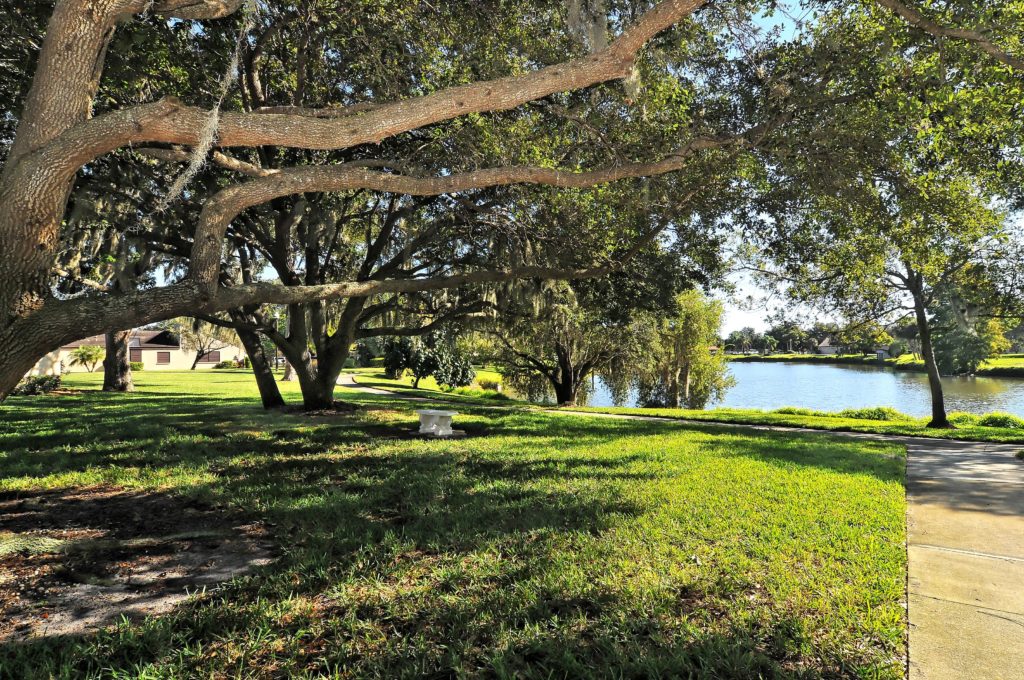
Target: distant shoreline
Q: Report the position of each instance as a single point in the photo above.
(1006, 366)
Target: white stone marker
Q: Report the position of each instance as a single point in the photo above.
(437, 423)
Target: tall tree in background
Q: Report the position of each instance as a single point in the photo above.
(892, 196)
(686, 367)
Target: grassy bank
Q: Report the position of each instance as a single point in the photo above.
(968, 426)
(1006, 365)
(994, 427)
(547, 546)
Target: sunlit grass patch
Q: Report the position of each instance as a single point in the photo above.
(550, 546)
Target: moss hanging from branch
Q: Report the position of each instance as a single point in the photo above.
(208, 134)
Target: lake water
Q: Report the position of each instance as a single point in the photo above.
(834, 388)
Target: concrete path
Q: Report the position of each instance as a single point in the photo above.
(965, 550)
(965, 560)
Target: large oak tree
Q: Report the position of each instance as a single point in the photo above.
(57, 134)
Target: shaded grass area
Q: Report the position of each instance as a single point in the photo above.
(555, 546)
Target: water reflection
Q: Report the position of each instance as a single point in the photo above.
(833, 388)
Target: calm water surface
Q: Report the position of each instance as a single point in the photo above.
(834, 388)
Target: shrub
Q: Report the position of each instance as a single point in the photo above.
(136, 366)
(350, 362)
(898, 348)
(36, 384)
(874, 413)
(480, 394)
(961, 418)
(246, 362)
(796, 411)
(1001, 419)
(225, 364)
(486, 384)
(398, 355)
(88, 355)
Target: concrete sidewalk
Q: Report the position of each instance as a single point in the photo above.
(965, 550)
(965, 560)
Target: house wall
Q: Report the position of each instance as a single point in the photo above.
(181, 360)
(48, 365)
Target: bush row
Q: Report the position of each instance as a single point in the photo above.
(887, 413)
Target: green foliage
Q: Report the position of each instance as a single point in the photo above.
(874, 413)
(36, 385)
(684, 369)
(898, 348)
(486, 384)
(398, 353)
(1001, 419)
(453, 368)
(480, 393)
(797, 411)
(367, 350)
(88, 356)
(962, 341)
(227, 363)
(136, 366)
(960, 418)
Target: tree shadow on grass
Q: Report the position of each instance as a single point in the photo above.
(390, 517)
(342, 502)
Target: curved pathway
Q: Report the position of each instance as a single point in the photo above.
(965, 549)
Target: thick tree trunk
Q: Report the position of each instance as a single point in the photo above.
(939, 418)
(117, 370)
(289, 372)
(270, 395)
(20, 354)
(684, 387)
(195, 362)
(317, 387)
(566, 391)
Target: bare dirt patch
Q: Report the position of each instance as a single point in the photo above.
(76, 560)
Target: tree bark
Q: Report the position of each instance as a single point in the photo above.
(270, 395)
(57, 135)
(685, 386)
(567, 380)
(117, 370)
(939, 417)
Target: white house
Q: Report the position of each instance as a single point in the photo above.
(826, 347)
(156, 350)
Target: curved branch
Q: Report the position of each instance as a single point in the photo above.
(171, 122)
(223, 207)
(194, 9)
(915, 18)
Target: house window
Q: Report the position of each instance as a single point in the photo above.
(210, 358)
(163, 357)
(135, 354)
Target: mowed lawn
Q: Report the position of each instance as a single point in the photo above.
(540, 547)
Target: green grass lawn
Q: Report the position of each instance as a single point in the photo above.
(428, 387)
(912, 427)
(967, 427)
(551, 547)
